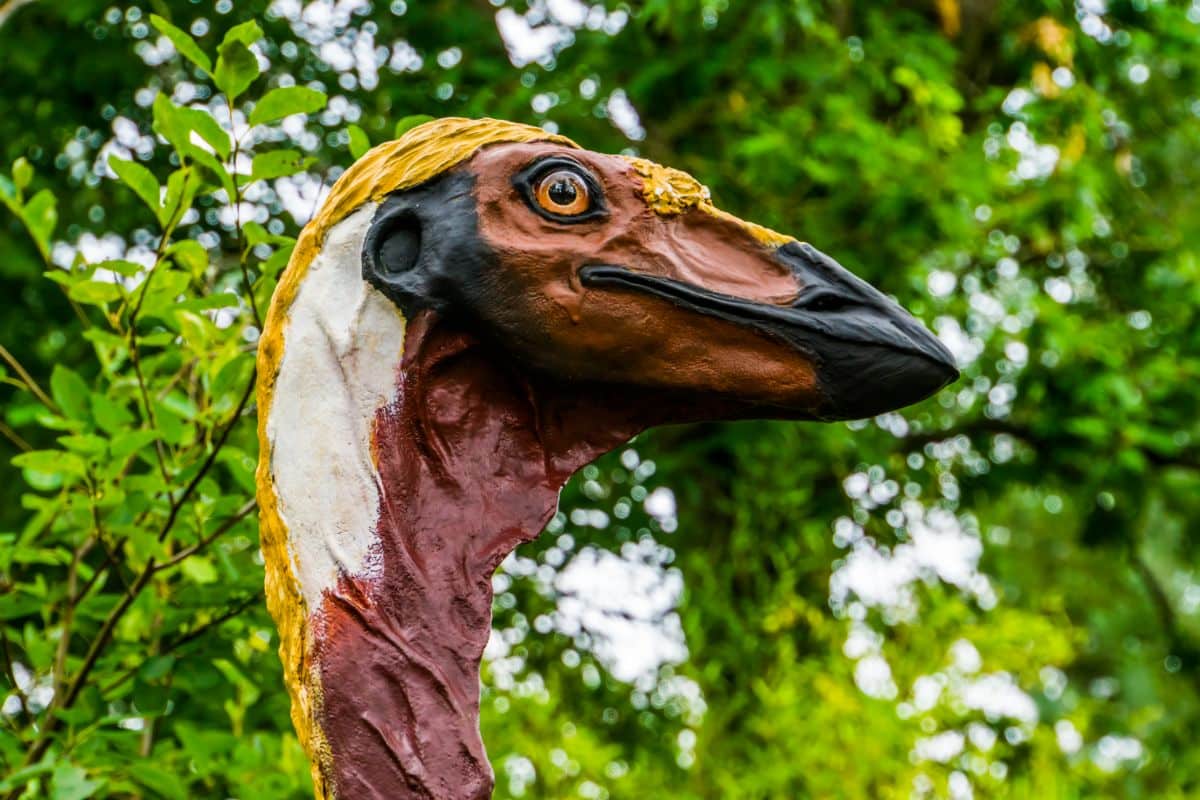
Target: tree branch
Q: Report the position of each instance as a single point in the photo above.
(136, 360)
(188, 638)
(15, 438)
(64, 640)
(42, 743)
(33, 386)
(209, 461)
(237, 210)
(222, 529)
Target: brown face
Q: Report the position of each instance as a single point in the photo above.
(615, 270)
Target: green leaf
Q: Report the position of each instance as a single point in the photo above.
(277, 261)
(190, 255)
(236, 68)
(41, 215)
(210, 302)
(22, 776)
(94, 293)
(23, 605)
(8, 195)
(206, 125)
(263, 236)
(247, 33)
(126, 444)
(22, 173)
(160, 781)
(86, 443)
(199, 569)
(406, 124)
(70, 392)
(75, 716)
(232, 377)
(181, 190)
(195, 328)
(169, 123)
(164, 290)
(169, 425)
(126, 269)
(111, 416)
(50, 462)
(277, 164)
(209, 162)
(139, 179)
(280, 103)
(183, 42)
(154, 668)
(70, 782)
(359, 143)
(180, 405)
(61, 277)
(104, 338)
(175, 123)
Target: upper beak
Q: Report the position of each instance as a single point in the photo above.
(871, 355)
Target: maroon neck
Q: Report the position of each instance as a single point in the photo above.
(471, 458)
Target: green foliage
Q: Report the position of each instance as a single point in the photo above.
(279, 103)
(144, 492)
(995, 589)
(39, 214)
(359, 143)
(184, 44)
(236, 65)
(141, 181)
(408, 123)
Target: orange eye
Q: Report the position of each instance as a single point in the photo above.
(563, 193)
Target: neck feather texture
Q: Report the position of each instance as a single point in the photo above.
(471, 456)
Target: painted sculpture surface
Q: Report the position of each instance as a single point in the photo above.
(478, 310)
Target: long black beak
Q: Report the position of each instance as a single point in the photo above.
(871, 355)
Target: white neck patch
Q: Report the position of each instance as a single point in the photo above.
(342, 344)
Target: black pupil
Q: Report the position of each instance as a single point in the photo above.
(562, 192)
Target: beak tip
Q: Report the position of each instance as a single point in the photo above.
(947, 363)
(886, 380)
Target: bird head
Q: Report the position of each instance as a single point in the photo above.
(615, 270)
(478, 309)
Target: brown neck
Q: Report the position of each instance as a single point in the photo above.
(471, 458)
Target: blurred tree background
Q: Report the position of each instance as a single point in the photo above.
(991, 595)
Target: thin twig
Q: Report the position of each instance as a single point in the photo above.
(135, 355)
(110, 555)
(69, 697)
(106, 631)
(110, 559)
(187, 638)
(135, 359)
(221, 530)
(15, 438)
(64, 640)
(208, 462)
(11, 360)
(193, 635)
(237, 221)
(159, 253)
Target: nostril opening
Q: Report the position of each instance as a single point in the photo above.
(823, 301)
(399, 246)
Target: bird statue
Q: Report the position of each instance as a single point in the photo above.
(478, 310)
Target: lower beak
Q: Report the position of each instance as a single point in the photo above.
(871, 355)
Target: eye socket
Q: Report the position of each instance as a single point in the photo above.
(562, 190)
(564, 193)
